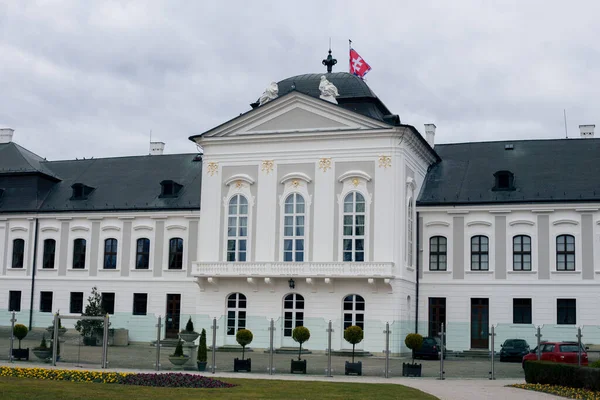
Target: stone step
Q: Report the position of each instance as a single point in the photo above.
(474, 353)
(289, 350)
(348, 353)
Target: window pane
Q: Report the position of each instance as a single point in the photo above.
(288, 208)
(359, 256)
(347, 244)
(360, 244)
(242, 245)
(360, 207)
(287, 245)
(299, 244)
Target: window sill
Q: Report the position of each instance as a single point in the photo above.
(522, 272)
(140, 270)
(174, 270)
(434, 272)
(565, 272)
(16, 269)
(109, 270)
(78, 269)
(479, 272)
(47, 269)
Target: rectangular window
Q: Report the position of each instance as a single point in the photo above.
(565, 253)
(479, 253)
(521, 311)
(49, 253)
(14, 300)
(18, 253)
(76, 303)
(140, 303)
(108, 303)
(142, 255)
(521, 253)
(110, 254)
(566, 311)
(45, 301)
(176, 253)
(79, 246)
(437, 253)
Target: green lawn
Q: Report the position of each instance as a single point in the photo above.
(23, 388)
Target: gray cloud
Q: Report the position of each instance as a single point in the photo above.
(82, 79)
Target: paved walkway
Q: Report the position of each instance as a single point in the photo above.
(449, 389)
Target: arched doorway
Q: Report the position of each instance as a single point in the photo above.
(293, 316)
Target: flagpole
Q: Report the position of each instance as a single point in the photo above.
(349, 56)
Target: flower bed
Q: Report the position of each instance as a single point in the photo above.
(157, 380)
(569, 393)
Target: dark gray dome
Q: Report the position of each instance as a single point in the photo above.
(348, 85)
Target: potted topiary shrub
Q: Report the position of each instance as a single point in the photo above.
(61, 329)
(43, 352)
(300, 334)
(178, 358)
(202, 356)
(188, 334)
(20, 331)
(413, 341)
(353, 335)
(244, 338)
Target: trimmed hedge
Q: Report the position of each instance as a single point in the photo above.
(549, 373)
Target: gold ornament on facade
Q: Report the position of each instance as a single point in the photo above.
(325, 164)
(267, 166)
(295, 183)
(385, 161)
(355, 182)
(212, 168)
(238, 184)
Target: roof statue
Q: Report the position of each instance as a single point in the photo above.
(270, 93)
(328, 91)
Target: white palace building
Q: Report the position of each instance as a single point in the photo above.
(309, 208)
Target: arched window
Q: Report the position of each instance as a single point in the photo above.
(293, 228)
(354, 311)
(176, 253)
(18, 254)
(565, 253)
(354, 227)
(409, 233)
(49, 254)
(237, 228)
(479, 253)
(236, 313)
(142, 254)
(79, 249)
(293, 313)
(110, 254)
(522, 253)
(438, 253)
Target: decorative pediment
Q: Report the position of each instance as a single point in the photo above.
(295, 112)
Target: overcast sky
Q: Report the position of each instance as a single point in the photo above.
(92, 78)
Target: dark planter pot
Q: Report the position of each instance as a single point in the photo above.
(90, 341)
(43, 354)
(298, 366)
(201, 365)
(353, 368)
(409, 369)
(21, 354)
(242, 365)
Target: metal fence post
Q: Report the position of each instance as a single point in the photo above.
(442, 353)
(214, 345)
(492, 336)
(538, 335)
(158, 332)
(105, 343)
(55, 339)
(12, 337)
(579, 336)
(271, 334)
(387, 349)
(329, 331)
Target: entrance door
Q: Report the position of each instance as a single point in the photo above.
(354, 314)
(293, 316)
(479, 323)
(437, 316)
(236, 316)
(172, 316)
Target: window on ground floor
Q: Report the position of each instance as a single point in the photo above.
(236, 313)
(354, 311)
(45, 301)
(108, 303)
(521, 311)
(140, 303)
(14, 300)
(293, 313)
(566, 311)
(76, 303)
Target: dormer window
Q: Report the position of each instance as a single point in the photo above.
(170, 188)
(81, 191)
(504, 180)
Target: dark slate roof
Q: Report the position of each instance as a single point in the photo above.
(348, 85)
(122, 183)
(557, 170)
(16, 159)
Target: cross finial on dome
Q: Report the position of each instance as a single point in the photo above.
(329, 62)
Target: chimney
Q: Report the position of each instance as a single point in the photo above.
(586, 131)
(430, 134)
(6, 135)
(157, 148)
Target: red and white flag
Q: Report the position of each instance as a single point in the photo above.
(358, 66)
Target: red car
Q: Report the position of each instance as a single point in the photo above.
(560, 352)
